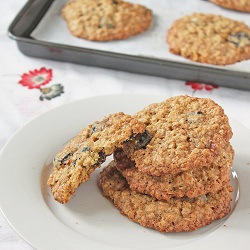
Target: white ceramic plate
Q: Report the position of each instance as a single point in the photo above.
(90, 221)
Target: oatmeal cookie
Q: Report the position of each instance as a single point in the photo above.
(105, 20)
(211, 39)
(240, 5)
(175, 215)
(84, 153)
(192, 183)
(188, 132)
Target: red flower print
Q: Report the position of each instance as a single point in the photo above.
(200, 86)
(36, 78)
(195, 85)
(210, 87)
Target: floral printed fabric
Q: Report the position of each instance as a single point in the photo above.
(200, 86)
(37, 78)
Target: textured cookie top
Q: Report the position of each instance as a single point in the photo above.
(240, 5)
(104, 20)
(191, 183)
(188, 132)
(209, 38)
(79, 158)
(175, 215)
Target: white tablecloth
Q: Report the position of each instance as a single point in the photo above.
(19, 103)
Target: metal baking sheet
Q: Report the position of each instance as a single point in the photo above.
(35, 12)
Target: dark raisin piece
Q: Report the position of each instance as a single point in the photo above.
(65, 157)
(143, 140)
(94, 129)
(139, 141)
(239, 39)
(101, 159)
(199, 113)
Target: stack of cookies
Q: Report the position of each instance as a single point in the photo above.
(180, 180)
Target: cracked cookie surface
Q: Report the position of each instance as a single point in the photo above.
(190, 183)
(240, 5)
(211, 39)
(187, 132)
(175, 215)
(105, 20)
(89, 149)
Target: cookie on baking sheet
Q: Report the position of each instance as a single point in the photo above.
(175, 215)
(188, 132)
(211, 39)
(84, 153)
(191, 183)
(240, 5)
(105, 20)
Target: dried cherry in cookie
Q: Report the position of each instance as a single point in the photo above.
(239, 39)
(89, 149)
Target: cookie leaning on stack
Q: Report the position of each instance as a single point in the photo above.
(181, 180)
(89, 149)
